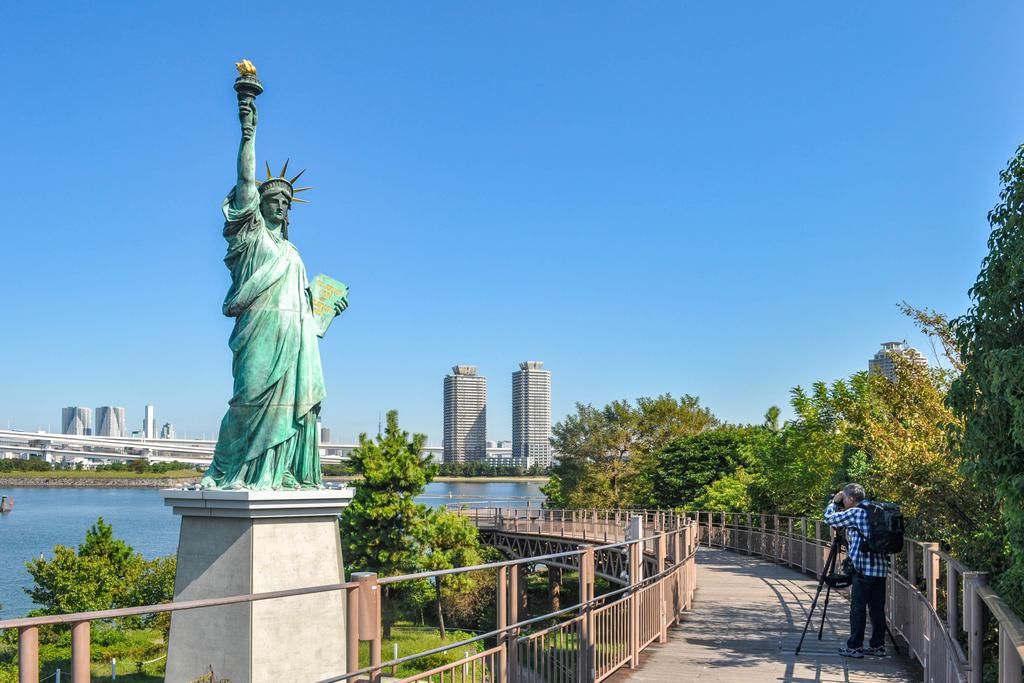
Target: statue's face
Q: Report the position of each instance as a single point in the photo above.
(274, 208)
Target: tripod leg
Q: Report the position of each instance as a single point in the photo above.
(810, 614)
(824, 612)
(829, 565)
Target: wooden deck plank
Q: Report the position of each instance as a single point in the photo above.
(745, 624)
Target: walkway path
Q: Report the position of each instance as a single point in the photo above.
(745, 624)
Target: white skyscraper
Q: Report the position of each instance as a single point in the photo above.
(149, 424)
(883, 364)
(465, 415)
(76, 420)
(531, 415)
(110, 421)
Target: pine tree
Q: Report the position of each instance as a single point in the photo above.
(381, 526)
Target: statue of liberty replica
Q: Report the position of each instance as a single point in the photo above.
(269, 438)
(261, 522)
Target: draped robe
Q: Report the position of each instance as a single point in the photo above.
(268, 438)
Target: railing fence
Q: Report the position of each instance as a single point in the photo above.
(941, 609)
(584, 642)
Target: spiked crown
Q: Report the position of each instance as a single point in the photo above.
(280, 183)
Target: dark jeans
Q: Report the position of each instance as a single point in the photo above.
(867, 595)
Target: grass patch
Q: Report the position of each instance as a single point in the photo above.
(411, 641)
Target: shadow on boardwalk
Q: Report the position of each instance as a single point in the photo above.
(745, 624)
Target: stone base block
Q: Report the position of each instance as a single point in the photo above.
(246, 542)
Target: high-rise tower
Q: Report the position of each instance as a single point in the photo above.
(149, 423)
(110, 421)
(76, 420)
(883, 363)
(531, 414)
(465, 415)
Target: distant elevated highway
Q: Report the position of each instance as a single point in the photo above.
(104, 449)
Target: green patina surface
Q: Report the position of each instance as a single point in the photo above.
(268, 438)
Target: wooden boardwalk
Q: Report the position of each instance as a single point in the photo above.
(745, 624)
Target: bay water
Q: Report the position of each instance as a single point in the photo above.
(45, 517)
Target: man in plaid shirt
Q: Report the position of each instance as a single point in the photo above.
(869, 571)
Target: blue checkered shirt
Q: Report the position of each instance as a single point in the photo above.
(856, 519)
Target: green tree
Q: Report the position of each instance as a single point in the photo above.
(988, 396)
(602, 451)
(380, 528)
(901, 452)
(798, 462)
(449, 541)
(103, 573)
(730, 493)
(678, 473)
(383, 528)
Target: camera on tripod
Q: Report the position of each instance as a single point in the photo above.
(843, 576)
(831, 578)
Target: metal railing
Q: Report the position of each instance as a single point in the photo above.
(939, 607)
(587, 641)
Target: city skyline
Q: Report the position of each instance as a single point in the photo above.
(435, 437)
(632, 188)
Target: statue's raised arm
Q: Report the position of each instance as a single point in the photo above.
(248, 87)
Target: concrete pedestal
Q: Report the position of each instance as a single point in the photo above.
(245, 542)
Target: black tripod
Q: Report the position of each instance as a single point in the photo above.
(832, 580)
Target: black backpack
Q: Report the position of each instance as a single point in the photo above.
(886, 524)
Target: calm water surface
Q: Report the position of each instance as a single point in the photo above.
(45, 517)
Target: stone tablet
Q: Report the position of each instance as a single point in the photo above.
(326, 293)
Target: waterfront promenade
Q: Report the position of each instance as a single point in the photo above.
(745, 623)
(702, 596)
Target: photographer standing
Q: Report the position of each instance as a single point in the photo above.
(869, 572)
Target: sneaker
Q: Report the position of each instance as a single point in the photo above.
(855, 652)
(875, 651)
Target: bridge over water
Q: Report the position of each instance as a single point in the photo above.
(662, 597)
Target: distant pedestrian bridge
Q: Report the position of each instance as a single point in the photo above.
(657, 596)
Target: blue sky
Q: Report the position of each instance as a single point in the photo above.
(721, 199)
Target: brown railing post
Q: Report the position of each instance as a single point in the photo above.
(750, 534)
(776, 546)
(587, 652)
(803, 544)
(662, 608)
(636, 553)
(911, 565)
(351, 629)
(522, 596)
(369, 618)
(931, 572)
(513, 618)
(975, 617)
(678, 559)
(503, 636)
(80, 652)
(28, 654)
(819, 560)
(789, 542)
(1010, 668)
(931, 584)
(952, 611)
